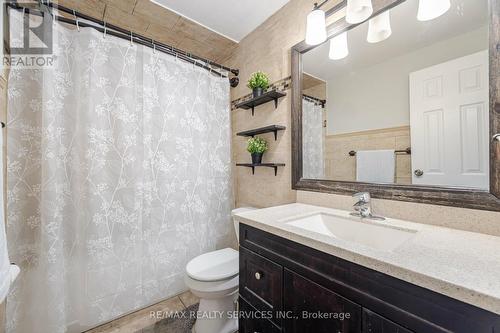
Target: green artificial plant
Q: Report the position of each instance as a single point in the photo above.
(258, 80)
(256, 145)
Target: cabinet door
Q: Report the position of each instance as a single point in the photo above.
(373, 323)
(314, 308)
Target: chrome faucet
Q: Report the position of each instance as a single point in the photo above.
(363, 206)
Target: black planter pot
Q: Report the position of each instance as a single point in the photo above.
(257, 158)
(257, 92)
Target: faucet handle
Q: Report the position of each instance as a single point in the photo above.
(362, 197)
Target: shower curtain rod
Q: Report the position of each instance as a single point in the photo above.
(315, 100)
(128, 35)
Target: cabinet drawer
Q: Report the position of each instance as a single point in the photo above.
(260, 281)
(251, 322)
(373, 323)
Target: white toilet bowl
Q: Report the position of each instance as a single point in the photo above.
(213, 277)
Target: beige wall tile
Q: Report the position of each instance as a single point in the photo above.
(124, 5)
(126, 20)
(162, 34)
(94, 8)
(341, 166)
(156, 14)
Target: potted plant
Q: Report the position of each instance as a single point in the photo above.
(256, 147)
(258, 82)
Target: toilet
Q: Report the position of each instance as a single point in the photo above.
(213, 277)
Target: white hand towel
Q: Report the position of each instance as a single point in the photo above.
(8, 272)
(375, 166)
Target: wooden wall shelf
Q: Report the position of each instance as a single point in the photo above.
(268, 129)
(269, 96)
(267, 165)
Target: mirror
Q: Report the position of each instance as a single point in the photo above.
(410, 107)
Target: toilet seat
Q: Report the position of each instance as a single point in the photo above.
(214, 266)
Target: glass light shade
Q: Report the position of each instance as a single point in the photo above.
(358, 10)
(431, 9)
(338, 47)
(316, 27)
(379, 28)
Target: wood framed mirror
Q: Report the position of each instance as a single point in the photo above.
(436, 171)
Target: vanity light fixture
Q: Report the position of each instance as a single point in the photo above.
(379, 27)
(358, 10)
(338, 47)
(431, 9)
(316, 26)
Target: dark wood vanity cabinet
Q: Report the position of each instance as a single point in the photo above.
(290, 288)
(303, 296)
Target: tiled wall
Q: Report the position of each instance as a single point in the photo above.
(339, 165)
(268, 49)
(151, 20)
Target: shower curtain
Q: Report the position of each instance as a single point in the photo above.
(312, 140)
(118, 175)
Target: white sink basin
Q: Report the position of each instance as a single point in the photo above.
(366, 232)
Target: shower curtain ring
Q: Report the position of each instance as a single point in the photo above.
(105, 30)
(131, 39)
(76, 20)
(154, 48)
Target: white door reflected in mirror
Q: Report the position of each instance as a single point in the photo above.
(363, 77)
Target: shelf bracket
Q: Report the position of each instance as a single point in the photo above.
(253, 170)
(275, 103)
(275, 135)
(275, 171)
(253, 110)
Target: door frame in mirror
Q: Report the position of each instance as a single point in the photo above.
(447, 196)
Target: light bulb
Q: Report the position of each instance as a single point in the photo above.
(358, 10)
(379, 28)
(316, 27)
(338, 47)
(431, 9)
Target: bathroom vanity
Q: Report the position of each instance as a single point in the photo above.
(304, 278)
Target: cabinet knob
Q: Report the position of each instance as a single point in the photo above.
(419, 173)
(258, 276)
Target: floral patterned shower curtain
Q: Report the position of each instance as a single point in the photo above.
(118, 175)
(312, 140)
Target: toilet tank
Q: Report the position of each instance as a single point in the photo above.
(236, 224)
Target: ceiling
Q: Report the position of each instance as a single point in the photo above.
(230, 18)
(408, 34)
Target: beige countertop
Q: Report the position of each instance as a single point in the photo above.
(459, 264)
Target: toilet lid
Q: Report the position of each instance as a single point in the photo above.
(214, 266)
